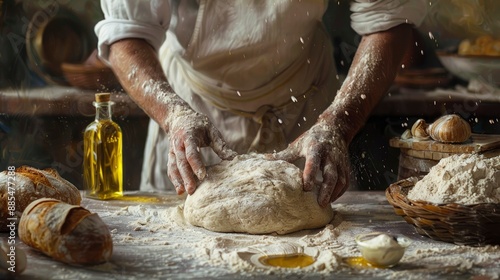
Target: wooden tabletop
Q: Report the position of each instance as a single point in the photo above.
(146, 249)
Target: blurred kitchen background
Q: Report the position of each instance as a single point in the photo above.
(49, 73)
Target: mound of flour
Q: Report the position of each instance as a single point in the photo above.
(464, 179)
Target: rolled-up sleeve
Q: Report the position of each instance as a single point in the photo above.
(143, 19)
(369, 16)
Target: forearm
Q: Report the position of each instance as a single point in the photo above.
(375, 65)
(138, 69)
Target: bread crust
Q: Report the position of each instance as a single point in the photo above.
(30, 184)
(67, 233)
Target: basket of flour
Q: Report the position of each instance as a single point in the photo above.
(458, 201)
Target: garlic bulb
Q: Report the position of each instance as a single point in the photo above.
(406, 135)
(419, 130)
(450, 129)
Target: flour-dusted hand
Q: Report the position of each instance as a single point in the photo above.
(188, 132)
(325, 145)
(324, 151)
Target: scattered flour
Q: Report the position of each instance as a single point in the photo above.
(464, 179)
(213, 254)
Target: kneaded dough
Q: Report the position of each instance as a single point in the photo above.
(252, 195)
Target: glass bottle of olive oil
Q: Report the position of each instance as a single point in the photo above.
(102, 163)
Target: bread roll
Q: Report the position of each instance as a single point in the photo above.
(28, 184)
(67, 233)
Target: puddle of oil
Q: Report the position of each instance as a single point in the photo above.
(288, 261)
(139, 198)
(360, 262)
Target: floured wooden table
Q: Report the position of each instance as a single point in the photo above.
(151, 242)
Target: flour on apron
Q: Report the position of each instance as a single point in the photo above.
(224, 73)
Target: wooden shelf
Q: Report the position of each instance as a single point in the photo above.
(61, 101)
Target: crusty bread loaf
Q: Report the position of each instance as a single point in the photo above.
(67, 233)
(29, 184)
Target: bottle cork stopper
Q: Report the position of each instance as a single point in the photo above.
(102, 97)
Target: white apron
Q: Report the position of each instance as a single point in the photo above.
(262, 71)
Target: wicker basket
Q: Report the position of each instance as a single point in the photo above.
(473, 225)
(91, 77)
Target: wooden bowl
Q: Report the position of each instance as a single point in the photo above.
(90, 77)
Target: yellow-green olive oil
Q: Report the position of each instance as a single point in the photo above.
(102, 163)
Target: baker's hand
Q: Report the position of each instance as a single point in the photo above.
(188, 132)
(324, 151)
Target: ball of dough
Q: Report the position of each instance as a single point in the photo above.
(252, 195)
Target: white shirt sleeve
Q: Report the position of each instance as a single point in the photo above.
(369, 16)
(143, 19)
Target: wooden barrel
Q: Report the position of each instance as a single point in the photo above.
(410, 166)
(417, 157)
